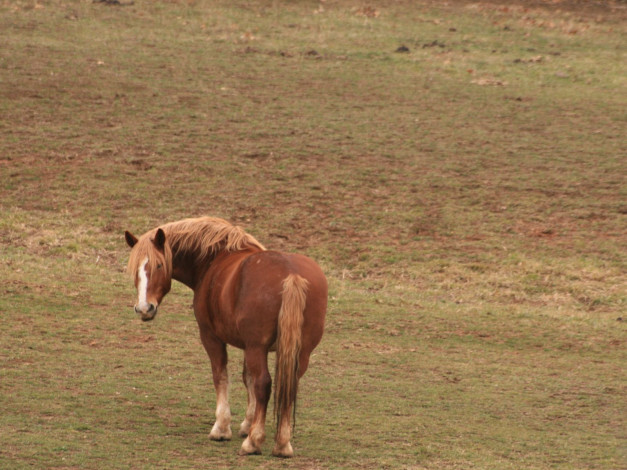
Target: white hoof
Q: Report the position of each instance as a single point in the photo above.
(244, 429)
(248, 448)
(218, 434)
(284, 451)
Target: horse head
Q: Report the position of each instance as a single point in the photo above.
(150, 264)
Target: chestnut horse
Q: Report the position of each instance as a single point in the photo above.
(245, 296)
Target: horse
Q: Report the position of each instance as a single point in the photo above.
(245, 296)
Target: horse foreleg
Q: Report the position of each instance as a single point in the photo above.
(244, 428)
(257, 367)
(216, 349)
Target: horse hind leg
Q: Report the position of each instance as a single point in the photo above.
(257, 366)
(291, 359)
(283, 447)
(250, 409)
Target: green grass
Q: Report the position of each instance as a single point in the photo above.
(466, 199)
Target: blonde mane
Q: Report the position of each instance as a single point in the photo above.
(204, 236)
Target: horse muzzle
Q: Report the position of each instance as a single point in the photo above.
(146, 312)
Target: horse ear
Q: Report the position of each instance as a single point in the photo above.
(159, 240)
(130, 239)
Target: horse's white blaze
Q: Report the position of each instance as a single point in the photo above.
(142, 288)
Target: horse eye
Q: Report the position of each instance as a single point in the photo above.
(159, 266)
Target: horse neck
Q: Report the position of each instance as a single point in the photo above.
(189, 269)
(186, 267)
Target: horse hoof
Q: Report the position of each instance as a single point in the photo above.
(244, 428)
(220, 435)
(284, 452)
(244, 453)
(248, 448)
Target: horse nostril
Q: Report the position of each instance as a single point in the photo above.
(148, 310)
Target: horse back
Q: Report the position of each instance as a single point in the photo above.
(244, 292)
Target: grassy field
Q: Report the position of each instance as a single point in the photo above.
(457, 168)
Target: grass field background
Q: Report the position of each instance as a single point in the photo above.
(457, 168)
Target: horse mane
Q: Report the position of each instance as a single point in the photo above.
(205, 236)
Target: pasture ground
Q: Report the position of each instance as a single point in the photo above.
(457, 168)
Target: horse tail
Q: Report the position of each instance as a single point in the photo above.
(288, 345)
